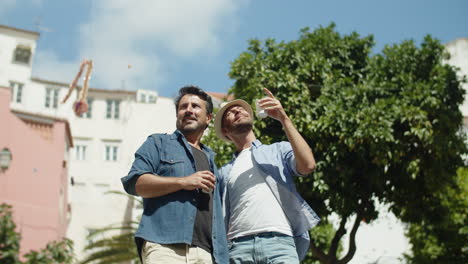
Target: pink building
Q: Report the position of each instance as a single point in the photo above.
(36, 181)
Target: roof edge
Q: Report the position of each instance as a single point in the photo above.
(96, 90)
(20, 30)
(42, 118)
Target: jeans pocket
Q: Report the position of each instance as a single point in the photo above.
(281, 250)
(149, 247)
(285, 240)
(231, 245)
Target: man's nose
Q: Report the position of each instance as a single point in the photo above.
(189, 109)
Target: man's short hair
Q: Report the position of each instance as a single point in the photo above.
(195, 90)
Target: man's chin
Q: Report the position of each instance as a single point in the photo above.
(190, 129)
(243, 127)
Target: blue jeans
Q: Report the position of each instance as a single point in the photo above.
(263, 248)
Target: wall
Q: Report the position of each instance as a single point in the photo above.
(36, 182)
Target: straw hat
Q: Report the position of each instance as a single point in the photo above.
(219, 116)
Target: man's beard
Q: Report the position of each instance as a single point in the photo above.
(242, 128)
(188, 130)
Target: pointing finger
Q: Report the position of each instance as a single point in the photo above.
(268, 93)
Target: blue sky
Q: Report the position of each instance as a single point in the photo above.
(172, 43)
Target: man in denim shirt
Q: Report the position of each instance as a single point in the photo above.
(182, 221)
(267, 221)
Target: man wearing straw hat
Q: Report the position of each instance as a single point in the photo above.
(267, 221)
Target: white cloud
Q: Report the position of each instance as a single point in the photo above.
(145, 34)
(48, 65)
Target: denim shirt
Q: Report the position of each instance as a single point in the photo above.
(278, 163)
(170, 219)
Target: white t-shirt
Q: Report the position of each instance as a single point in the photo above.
(254, 208)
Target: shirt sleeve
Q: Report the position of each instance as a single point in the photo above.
(289, 160)
(146, 161)
(221, 179)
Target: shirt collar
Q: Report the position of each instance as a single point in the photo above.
(177, 134)
(255, 144)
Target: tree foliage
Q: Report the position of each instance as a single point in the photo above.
(112, 247)
(443, 240)
(55, 252)
(9, 238)
(384, 128)
(115, 243)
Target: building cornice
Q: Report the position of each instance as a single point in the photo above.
(91, 90)
(44, 119)
(29, 32)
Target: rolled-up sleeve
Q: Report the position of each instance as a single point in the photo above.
(146, 161)
(289, 160)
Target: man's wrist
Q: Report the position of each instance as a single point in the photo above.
(286, 121)
(180, 181)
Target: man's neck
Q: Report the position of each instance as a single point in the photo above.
(243, 141)
(194, 139)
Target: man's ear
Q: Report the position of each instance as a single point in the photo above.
(208, 119)
(224, 131)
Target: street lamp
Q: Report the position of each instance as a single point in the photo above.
(5, 159)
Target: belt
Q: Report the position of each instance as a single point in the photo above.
(263, 234)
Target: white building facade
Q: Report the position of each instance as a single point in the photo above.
(458, 50)
(105, 138)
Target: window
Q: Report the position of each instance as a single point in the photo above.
(51, 98)
(113, 109)
(152, 99)
(143, 98)
(5, 159)
(80, 152)
(61, 207)
(22, 54)
(16, 91)
(111, 152)
(90, 109)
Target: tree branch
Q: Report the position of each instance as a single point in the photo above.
(352, 240)
(318, 253)
(338, 235)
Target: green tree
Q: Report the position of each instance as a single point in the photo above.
(443, 239)
(111, 247)
(384, 128)
(115, 243)
(55, 252)
(9, 238)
